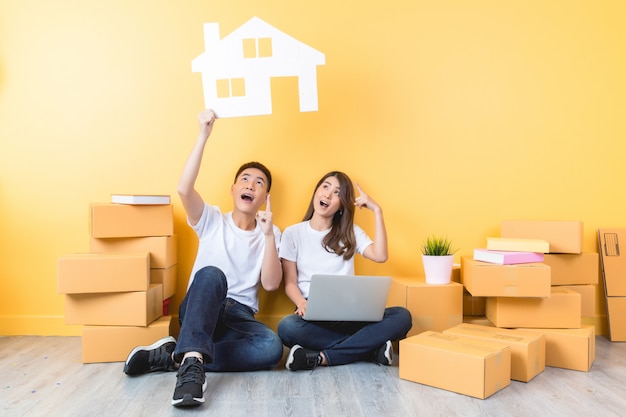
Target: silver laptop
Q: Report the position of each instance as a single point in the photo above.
(347, 298)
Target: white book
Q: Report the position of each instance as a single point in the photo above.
(140, 199)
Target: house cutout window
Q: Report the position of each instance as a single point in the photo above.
(231, 87)
(257, 47)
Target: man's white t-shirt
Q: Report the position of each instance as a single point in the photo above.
(238, 253)
(303, 245)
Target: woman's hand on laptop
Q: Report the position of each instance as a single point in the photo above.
(301, 308)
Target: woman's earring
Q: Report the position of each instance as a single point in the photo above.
(341, 212)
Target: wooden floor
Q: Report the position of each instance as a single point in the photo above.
(43, 376)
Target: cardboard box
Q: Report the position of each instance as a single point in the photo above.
(432, 307)
(469, 366)
(563, 236)
(573, 269)
(473, 306)
(483, 279)
(139, 308)
(561, 310)
(167, 278)
(613, 261)
(617, 318)
(573, 349)
(528, 348)
(108, 220)
(103, 272)
(587, 298)
(114, 343)
(163, 249)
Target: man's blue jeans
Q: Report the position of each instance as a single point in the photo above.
(223, 330)
(345, 342)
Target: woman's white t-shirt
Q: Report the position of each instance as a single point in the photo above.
(238, 253)
(303, 245)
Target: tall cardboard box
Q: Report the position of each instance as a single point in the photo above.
(103, 272)
(561, 310)
(108, 220)
(483, 279)
(469, 366)
(138, 308)
(617, 318)
(573, 269)
(432, 307)
(528, 348)
(163, 249)
(113, 343)
(613, 259)
(563, 236)
(573, 349)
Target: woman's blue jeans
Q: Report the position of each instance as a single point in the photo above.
(223, 330)
(345, 342)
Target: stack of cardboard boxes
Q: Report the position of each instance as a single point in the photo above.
(120, 290)
(614, 274)
(533, 316)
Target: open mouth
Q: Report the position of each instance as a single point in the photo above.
(247, 197)
(324, 203)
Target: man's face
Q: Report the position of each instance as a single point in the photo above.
(249, 191)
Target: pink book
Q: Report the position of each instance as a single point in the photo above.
(506, 257)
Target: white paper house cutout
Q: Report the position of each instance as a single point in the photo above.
(236, 70)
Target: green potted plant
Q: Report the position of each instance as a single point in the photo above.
(438, 258)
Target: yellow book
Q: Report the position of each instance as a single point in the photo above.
(518, 245)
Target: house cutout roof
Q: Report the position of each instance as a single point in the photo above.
(236, 70)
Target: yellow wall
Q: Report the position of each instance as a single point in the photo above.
(452, 114)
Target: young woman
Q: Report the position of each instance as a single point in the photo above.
(326, 242)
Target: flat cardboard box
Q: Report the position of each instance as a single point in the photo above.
(587, 298)
(139, 308)
(563, 236)
(114, 343)
(573, 269)
(483, 279)
(561, 310)
(617, 318)
(517, 244)
(573, 349)
(613, 260)
(432, 307)
(469, 366)
(163, 249)
(108, 220)
(167, 277)
(528, 348)
(103, 272)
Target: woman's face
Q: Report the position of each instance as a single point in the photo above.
(327, 198)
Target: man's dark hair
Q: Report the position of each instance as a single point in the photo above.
(258, 166)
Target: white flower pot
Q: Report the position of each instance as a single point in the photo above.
(438, 269)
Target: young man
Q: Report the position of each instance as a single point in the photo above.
(236, 251)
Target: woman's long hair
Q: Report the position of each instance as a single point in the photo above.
(340, 240)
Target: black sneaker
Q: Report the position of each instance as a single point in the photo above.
(190, 384)
(384, 354)
(153, 358)
(302, 359)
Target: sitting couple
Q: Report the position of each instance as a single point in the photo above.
(238, 250)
